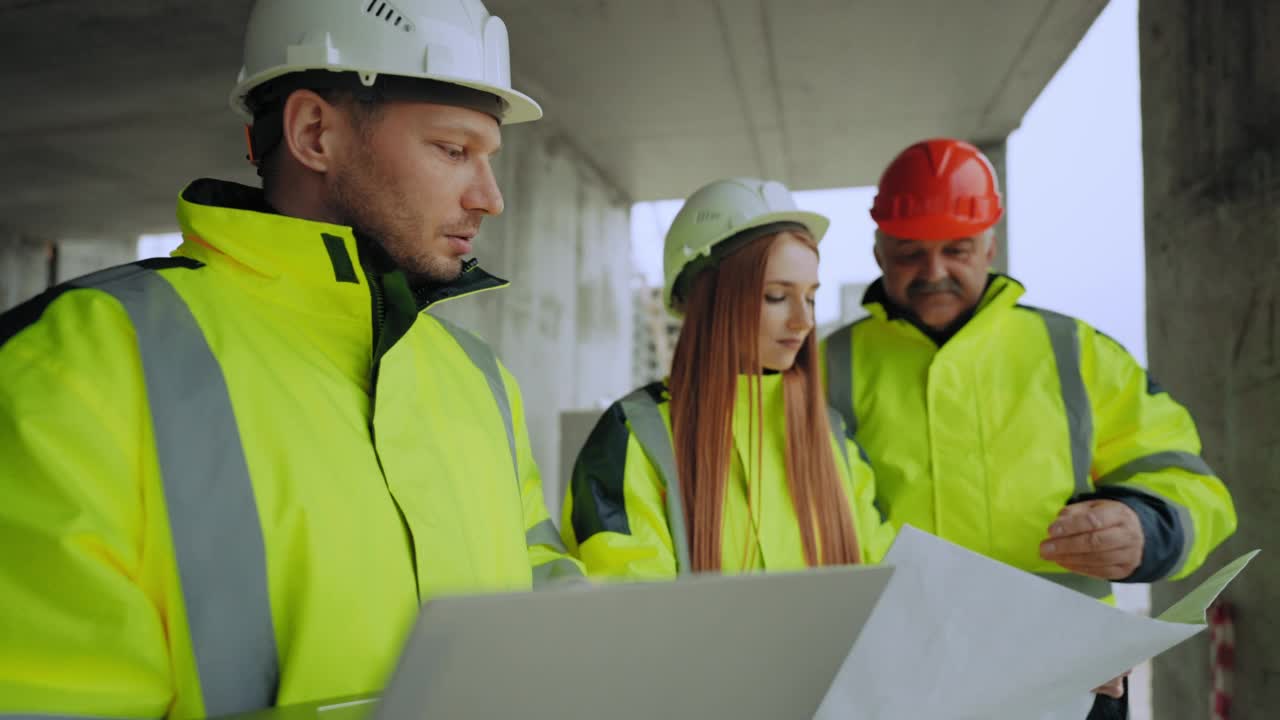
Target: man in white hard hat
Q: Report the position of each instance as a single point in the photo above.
(231, 477)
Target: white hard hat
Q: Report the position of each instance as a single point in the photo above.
(723, 209)
(451, 41)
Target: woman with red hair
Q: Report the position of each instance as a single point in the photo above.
(735, 463)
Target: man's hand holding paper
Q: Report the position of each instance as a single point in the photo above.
(1100, 538)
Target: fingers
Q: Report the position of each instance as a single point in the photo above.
(1097, 542)
(1102, 572)
(1090, 516)
(1112, 554)
(1099, 538)
(1113, 688)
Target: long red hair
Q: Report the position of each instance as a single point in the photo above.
(718, 343)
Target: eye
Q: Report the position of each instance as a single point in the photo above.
(774, 299)
(811, 300)
(957, 252)
(453, 152)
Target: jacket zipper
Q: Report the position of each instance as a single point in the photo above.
(379, 320)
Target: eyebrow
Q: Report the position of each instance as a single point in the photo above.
(788, 283)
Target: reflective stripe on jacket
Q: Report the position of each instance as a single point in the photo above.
(232, 477)
(984, 440)
(622, 514)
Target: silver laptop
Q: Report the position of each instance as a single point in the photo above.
(750, 647)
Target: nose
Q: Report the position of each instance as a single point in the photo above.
(483, 194)
(934, 268)
(800, 316)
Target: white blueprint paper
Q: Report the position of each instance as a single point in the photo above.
(957, 635)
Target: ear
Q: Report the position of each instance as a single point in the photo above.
(875, 251)
(313, 130)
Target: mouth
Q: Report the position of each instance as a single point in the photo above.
(931, 292)
(460, 243)
(934, 295)
(792, 343)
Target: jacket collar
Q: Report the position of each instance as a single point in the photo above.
(228, 222)
(1002, 293)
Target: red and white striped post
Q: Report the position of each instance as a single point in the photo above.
(1222, 658)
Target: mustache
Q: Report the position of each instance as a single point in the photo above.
(468, 226)
(945, 285)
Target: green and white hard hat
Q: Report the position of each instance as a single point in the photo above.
(724, 210)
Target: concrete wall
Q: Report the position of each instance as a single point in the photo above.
(27, 265)
(24, 269)
(1211, 141)
(81, 257)
(564, 325)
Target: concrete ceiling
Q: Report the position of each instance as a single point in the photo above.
(113, 107)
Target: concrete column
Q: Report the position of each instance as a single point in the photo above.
(996, 152)
(1211, 145)
(563, 328)
(81, 257)
(25, 269)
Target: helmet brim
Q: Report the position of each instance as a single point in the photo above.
(935, 229)
(520, 107)
(816, 224)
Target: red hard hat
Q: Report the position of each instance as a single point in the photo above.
(938, 189)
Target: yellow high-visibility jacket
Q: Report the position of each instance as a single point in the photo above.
(622, 515)
(230, 478)
(983, 440)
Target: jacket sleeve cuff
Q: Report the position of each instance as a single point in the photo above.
(1162, 531)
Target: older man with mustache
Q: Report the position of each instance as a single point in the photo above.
(1017, 432)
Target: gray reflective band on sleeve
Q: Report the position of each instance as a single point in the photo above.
(555, 571)
(1064, 336)
(1188, 535)
(843, 438)
(481, 355)
(840, 377)
(213, 514)
(651, 431)
(545, 533)
(1091, 586)
(1155, 462)
(837, 425)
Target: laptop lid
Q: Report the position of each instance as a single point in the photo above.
(746, 647)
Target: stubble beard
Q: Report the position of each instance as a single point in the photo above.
(364, 199)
